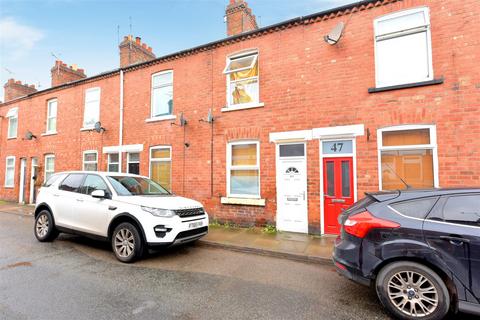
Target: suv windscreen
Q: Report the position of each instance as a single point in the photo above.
(93, 182)
(52, 180)
(418, 208)
(72, 182)
(136, 186)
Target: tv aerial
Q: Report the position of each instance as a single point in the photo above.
(334, 36)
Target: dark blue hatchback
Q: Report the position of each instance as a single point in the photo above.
(420, 249)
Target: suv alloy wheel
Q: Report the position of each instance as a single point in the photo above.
(127, 244)
(44, 227)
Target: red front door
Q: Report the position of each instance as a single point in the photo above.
(337, 190)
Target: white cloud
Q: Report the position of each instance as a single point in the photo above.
(17, 39)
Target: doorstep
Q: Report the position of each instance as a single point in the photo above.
(294, 246)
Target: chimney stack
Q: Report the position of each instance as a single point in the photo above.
(133, 51)
(61, 73)
(15, 89)
(239, 18)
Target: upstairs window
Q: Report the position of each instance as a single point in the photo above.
(403, 49)
(162, 94)
(408, 153)
(12, 116)
(242, 80)
(243, 169)
(52, 116)
(90, 161)
(92, 108)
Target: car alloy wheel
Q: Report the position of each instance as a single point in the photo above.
(412, 293)
(124, 243)
(42, 226)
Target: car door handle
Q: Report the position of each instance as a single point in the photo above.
(80, 200)
(56, 195)
(457, 240)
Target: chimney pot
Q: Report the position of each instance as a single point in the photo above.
(15, 89)
(138, 40)
(18, 82)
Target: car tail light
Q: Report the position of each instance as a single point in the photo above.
(361, 223)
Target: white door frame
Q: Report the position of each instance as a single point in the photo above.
(32, 182)
(277, 174)
(333, 134)
(23, 173)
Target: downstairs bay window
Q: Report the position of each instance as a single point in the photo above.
(243, 169)
(407, 153)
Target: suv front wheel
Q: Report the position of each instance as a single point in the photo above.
(410, 290)
(127, 243)
(44, 227)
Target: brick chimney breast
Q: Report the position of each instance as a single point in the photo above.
(15, 89)
(239, 18)
(133, 51)
(61, 73)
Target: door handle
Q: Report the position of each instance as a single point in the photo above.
(338, 200)
(56, 195)
(80, 200)
(456, 240)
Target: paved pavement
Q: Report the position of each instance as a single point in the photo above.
(76, 278)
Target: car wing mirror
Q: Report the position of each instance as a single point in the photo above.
(99, 194)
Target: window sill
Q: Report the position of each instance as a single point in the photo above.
(48, 134)
(407, 85)
(242, 107)
(87, 129)
(9, 187)
(243, 201)
(162, 118)
(11, 138)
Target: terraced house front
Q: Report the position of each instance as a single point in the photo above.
(275, 125)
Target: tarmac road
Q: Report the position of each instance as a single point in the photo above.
(76, 278)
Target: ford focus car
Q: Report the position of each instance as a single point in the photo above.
(133, 212)
(420, 250)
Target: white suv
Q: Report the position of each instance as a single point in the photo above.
(131, 211)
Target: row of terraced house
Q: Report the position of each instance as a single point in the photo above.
(285, 124)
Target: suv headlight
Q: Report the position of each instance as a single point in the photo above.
(159, 212)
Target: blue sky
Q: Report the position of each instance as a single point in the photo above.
(84, 32)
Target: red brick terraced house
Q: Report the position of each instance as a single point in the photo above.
(285, 124)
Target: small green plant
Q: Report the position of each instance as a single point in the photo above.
(215, 223)
(269, 229)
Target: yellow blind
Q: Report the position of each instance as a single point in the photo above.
(244, 155)
(161, 153)
(161, 173)
(405, 137)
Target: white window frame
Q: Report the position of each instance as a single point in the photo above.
(48, 156)
(164, 116)
(230, 167)
(227, 72)
(50, 116)
(431, 146)
(11, 167)
(400, 33)
(129, 161)
(89, 162)
(150, 160)
(109, 162)
(12, 114)
(98, 106)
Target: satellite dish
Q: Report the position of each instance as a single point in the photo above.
(334, 36)
(210, 116)
(98, 127)
(29, 135)
(183, 121)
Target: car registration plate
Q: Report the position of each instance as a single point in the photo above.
(193, 225)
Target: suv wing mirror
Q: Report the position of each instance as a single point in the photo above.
(99, 194)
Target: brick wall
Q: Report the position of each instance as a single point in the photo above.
(304, 84)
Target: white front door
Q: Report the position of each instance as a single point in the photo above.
(292, 208)
(33, 179)
(23, 172)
